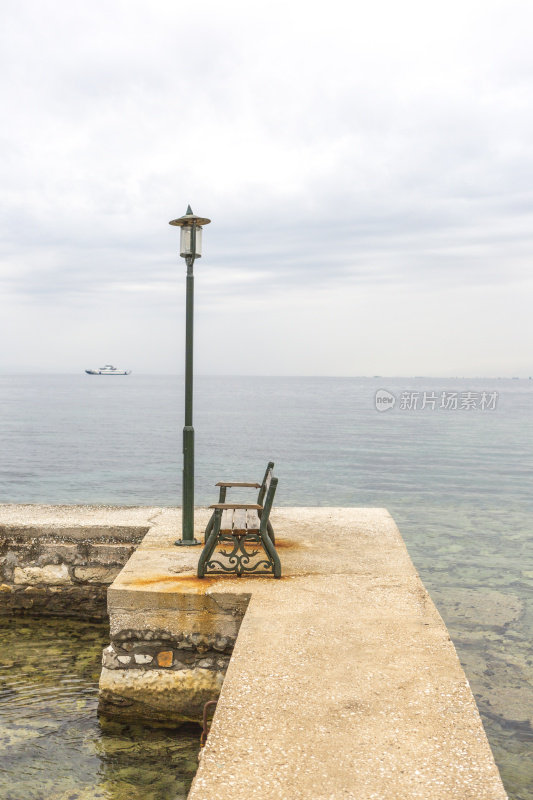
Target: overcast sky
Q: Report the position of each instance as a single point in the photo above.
(368, 169)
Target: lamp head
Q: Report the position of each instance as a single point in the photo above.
(191, 233)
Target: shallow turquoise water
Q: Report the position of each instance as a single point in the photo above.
(458, 483)
(52, 744)
(485, 598)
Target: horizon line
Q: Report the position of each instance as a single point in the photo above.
(258, 375)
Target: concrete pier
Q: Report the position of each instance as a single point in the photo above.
(342, 683)
(337, 681)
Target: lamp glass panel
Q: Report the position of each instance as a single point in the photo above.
(186, 243)
(198, 242)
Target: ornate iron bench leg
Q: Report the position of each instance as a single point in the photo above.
(270, 531)
(209, 528)
(210, 544)
(272, 552)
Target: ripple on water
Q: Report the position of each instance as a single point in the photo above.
(52, 744)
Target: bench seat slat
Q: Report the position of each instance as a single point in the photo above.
(226, 523)
(224, 506)
(239, 520)
(252, 520)
(235, 483)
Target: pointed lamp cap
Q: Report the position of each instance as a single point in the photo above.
(189, 218)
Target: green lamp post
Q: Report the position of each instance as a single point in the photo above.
(190, 249)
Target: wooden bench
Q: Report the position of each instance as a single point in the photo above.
(243, 527)
(263, 489)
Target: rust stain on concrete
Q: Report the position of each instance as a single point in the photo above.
(173, 583)
(287, 544)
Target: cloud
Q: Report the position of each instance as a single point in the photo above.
(354, 147)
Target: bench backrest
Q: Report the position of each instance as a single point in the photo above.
(267, 505)
(265, 485)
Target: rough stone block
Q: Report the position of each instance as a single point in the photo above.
(49, 574)
(164, 658)
(158, 694)
(66, 600)
(108, 554)
(184, 658)
(96, 574)
(60, 553)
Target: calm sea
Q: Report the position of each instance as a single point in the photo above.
(457, 479)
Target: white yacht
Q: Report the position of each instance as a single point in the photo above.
(108, 369)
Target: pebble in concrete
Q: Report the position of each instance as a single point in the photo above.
(143, 658)
(164, 658)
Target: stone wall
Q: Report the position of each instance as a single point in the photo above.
(158, 675)
(168, 653)
(60, 571)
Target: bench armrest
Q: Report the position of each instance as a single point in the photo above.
(234, 483)
(232, 506)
